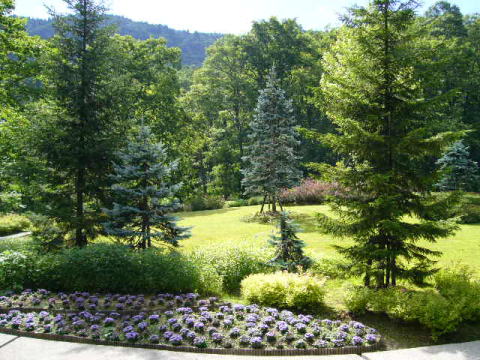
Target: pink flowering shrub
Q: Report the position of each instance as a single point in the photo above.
(310, 191)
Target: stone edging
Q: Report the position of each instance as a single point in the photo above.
(348, 350)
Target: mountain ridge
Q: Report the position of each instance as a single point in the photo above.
(193, 44)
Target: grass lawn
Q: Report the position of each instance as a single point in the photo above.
(222, 226)
(225, 226)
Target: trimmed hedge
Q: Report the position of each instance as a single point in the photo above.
(284, 290)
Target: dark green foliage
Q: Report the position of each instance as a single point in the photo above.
(372, 94)
(271, 160)
(79, 137)
(193, 45)
(143, 195)
(205, 202)
(460, 172)
(289, 254)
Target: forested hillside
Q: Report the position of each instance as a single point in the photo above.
(193, 44)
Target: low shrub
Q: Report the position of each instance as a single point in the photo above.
(204, 202)
(13, 223)
(455, 298)
(105, 268)
(284, 290)
(231, 264)
(237, 203)
(309, 192)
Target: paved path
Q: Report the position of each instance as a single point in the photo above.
(15, 236)
(21, 348)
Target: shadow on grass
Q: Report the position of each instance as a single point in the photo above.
(192, 214)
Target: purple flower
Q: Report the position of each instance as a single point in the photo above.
(301, 328)
(256, 342)
(357, 341)
(94, 328)
(168, 334)
(320, 344)
(131, 336)
(271, 336)
(217, 338)
(338, 342)
(154, 339)
(200, 342)
(371, 338)
(199, 326)
(250, 325)
(176, 339)
(238, 308)
(309, 337)
(128, 329)
(344, 328)
(244, 340)
(47, 328)
(143, 325)
(282, 326)
(269, 320)
(234, 333)
(108, 321)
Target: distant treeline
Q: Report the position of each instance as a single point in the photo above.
(193, 45)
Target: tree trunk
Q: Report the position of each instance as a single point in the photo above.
(80, 237)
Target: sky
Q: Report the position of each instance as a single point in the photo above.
(224, 16)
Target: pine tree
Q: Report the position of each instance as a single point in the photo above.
(461, 173)
(84, 131)
(143, 195)
(371, 93)
(289, 248)
(271, 160)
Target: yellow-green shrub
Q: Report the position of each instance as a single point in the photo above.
(284, 290)
(12, 224)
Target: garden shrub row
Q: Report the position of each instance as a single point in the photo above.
(13, 223)
(117, 268)
(285, 290)
(204, 202)
(454, 299)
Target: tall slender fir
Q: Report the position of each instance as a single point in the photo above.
(144, 196)
(271, 161)
(371, 94)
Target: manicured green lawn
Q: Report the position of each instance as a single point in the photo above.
(226, 226)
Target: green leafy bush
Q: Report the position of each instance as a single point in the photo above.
(13, 223)
(106, 268)
(455, 298)
(204, 202)
(231, 264)
(284, 290)
(334, 268)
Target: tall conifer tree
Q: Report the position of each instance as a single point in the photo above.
(85, 132)
(271, 160)
(371, 93)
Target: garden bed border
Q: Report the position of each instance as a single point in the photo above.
(347, 350)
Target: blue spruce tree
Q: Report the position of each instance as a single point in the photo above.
(271, 163)
(461, 172)
(144, 196)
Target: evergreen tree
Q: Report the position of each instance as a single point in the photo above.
(289, 248)
(271, 160)
(144, 196)
(371, 93)
(83, 131)
(461, 173)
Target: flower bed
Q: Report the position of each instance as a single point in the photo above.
(182, 321)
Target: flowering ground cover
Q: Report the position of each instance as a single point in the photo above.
(176, 320)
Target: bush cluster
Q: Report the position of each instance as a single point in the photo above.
(309, 192)
(285, 290)
(256, 200)
(204, 202)
(454, 299)
(117, 268)
(231, 263)
(13, 223)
